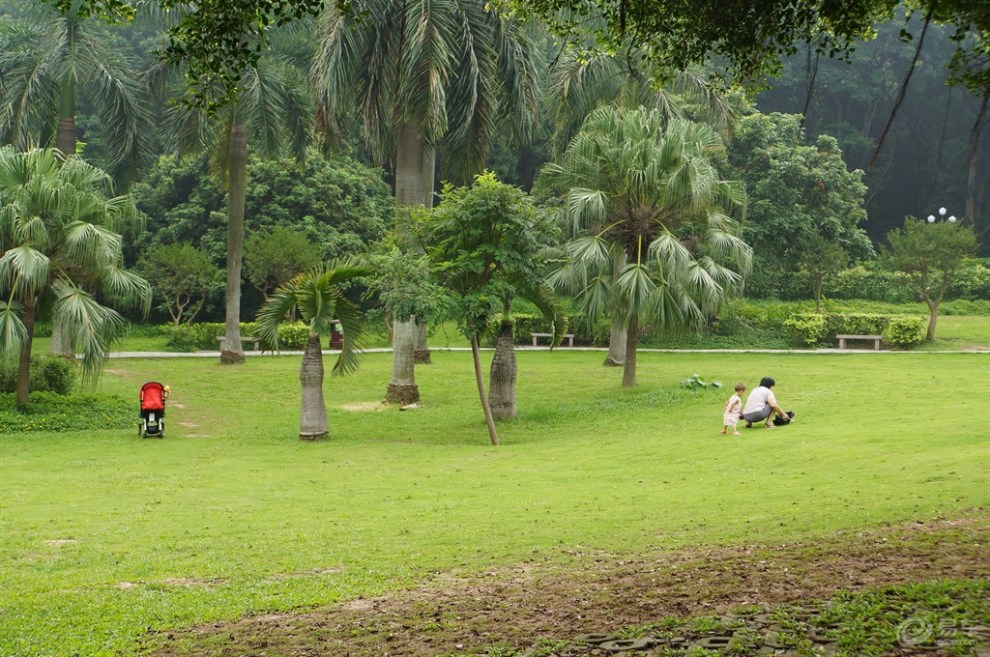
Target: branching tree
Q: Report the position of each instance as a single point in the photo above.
(183, 277)
(274, 257)
(483, 245)
(930, 254)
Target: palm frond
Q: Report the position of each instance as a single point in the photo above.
(93, 327)
(13, 333)
(24, 270)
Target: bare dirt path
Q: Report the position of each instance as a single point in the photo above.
(600, 594)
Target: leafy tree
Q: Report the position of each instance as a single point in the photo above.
(426, 78)
(183, 276)
(61, 256)
(930, 254)
(644, 192)
(274, 257)
(796, 195)
(483, 244)
(403, 285)
(271, 113)
(318, 297)
(822, 259)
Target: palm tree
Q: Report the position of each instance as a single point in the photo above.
(646, 190)
(48, 60)
(58, 233)
(319, 299)
(426, 78)
(271, 113)
(581, 83)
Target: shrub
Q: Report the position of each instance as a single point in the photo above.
(49, 411)
(904, 331)
(200, 336)
(293, 336)
(807, 328)
(522, 325)
(47, 374)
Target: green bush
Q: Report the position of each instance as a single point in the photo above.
(972, 281)
(523, 324)
(905, 331)
(47, 374)
(821, 328)
(200, 336)
(293, 336)
(49, 411)
(807, 328)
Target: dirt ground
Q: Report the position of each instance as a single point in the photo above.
(600, 594)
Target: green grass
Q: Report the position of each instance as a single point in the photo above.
(104, 536)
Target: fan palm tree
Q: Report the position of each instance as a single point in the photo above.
(48, 60)
(270, 115)
(58, 233)
(426, 78)
(646, 189)
(581, 83)
(318, 297)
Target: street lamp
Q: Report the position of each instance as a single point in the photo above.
(941, 215)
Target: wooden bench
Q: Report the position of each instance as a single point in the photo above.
(876, 340)
(568, 336)
(222, 339)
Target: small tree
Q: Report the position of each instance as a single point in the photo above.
(274, 257)
(403, 285)
(484, 244)
(930, 254)
(183, 277)
(318, 297)
(822, 259)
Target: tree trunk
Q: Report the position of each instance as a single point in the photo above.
(617, 331)
(24, 362)
(61, 343)
(313, 414)
(415, 165)
(402, 388)
(616, 344)
(65, 141)
(232, 351)
(489, 420)
(932, 319)
(629, 367)
(973, 158)
(502, 376)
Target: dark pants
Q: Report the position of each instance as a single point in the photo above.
(756, 416)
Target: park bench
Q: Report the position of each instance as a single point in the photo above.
(568, 336)
(876, 340)
(222, 339)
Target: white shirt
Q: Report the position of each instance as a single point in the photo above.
(758, 399)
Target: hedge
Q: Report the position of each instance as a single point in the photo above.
(820, 329)
(202, 336)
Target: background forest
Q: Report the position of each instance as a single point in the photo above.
(804, 148)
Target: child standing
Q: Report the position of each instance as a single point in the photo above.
(733, 407)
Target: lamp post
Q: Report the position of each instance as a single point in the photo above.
(941, 215)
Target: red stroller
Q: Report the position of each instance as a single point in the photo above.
(153, 396)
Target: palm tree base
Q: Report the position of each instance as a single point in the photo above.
(314, 436)
(422, 357)
(231, 357)
(402, 394)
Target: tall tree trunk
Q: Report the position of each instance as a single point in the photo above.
(415, 164)
(616, 344)
(932, 319)
(24, 362)
(502, 375)
(489, 420)
(629, 367)
(974, 151)
(65, 141)
(313, 413)
(232, 351)
(402, 388)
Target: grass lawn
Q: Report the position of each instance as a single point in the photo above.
(104, 536)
